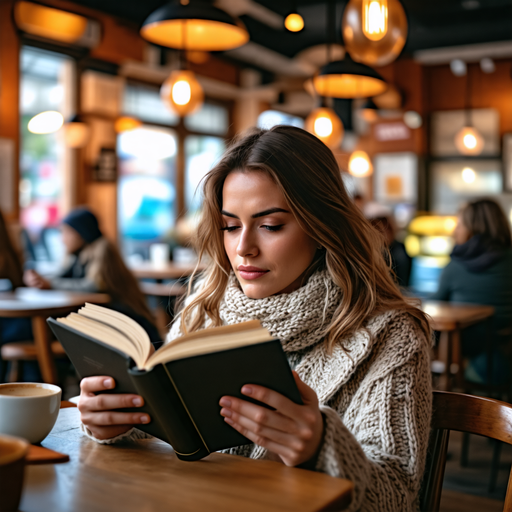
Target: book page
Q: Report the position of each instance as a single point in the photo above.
(126, 325)
(210, 340)
(103, 333)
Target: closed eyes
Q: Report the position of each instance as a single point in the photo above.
(230, 229)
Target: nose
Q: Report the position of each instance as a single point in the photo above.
(247, 246)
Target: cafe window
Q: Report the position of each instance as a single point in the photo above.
(146, 187)
(46, 84)
(271, 118)
(149, 196)
(202, 152)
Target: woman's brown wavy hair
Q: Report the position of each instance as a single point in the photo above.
(308, 175)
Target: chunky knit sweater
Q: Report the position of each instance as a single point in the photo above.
(373, 389)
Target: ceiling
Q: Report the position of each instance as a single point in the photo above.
(432, 23)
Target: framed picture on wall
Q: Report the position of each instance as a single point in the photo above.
(507, 162)
(395, 178)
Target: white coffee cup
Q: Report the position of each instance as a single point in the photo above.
(28, 409)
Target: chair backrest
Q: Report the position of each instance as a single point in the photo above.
(465, 413)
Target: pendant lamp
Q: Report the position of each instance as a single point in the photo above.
(360, 165)
(199, 24)
(326, 125)
(182, 93)
(45, 122)
(76, 133)
(374, 31)
(468, 140)
(348, 79)
(294, 22)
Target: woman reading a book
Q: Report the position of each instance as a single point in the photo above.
(287, 247)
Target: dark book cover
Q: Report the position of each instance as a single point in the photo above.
(182, 396)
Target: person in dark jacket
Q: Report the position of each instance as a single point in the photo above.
(401, 262)
(95, 265)
(480, 272)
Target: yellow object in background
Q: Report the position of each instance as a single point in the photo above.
(433, 225)
(48, 22)
(294, 22)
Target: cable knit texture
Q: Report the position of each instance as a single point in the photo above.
(374, 389)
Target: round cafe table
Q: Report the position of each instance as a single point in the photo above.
(39, 305)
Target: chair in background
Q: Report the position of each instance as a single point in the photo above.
(17, 352)
(466, 413)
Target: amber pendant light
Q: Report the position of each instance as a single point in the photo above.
(207, 28)
(348, 79)
(326, 125)
(374, 31)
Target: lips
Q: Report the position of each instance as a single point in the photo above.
(248, 272)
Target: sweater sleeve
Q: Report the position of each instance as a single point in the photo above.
(381, 444)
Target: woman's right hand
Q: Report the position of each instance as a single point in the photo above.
(98, 412)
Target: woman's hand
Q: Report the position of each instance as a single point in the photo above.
(98, 414)
(293, 432)
(34, 280)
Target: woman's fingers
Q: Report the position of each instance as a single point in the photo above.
(95, 384)
(307, 394)
(259, 415)
(105, 402)
(264, 432)
(115, 418)
(273, 398)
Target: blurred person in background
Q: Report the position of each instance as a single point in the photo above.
(401, 262)
(11, 270)
(95, 265)
(480, 272)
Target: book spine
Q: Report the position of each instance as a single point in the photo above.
(176, 426)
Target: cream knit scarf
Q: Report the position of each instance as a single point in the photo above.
(296, 318)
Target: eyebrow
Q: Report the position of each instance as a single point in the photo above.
(256, 215)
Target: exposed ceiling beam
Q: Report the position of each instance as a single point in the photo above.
(254, 10)
(467, 53)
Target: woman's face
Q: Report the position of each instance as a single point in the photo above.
(461, 233)
(71, 239)
(268, 250)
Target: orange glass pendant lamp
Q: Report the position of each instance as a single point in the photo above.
(76, 133)
(44, 21)
(360, 165)
(294, 22)
(468, 141)
(374, 31)
(348, 79)
(194, 25)
(182, 93)
(326, 125)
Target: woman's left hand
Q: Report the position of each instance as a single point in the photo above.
(293, 432)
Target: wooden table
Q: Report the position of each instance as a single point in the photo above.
(148, 270)
(450, 319)
(146, 476)
(39, 305)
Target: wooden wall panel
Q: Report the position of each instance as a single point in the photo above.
(9, 90)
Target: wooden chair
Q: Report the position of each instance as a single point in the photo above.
(18, 352)
(466, 413)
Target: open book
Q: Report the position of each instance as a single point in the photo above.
(183, 381)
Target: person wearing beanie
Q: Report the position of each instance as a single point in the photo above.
(95, 265)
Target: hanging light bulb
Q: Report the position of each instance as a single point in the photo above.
(46, 122)
(468, 141)
(294, 22)
(374, 31)
(126, 124)
(182, 93)
(468, 175)
(375, 19)
(326, 125)
(76, 133)
(369, 111)
(359, 164)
